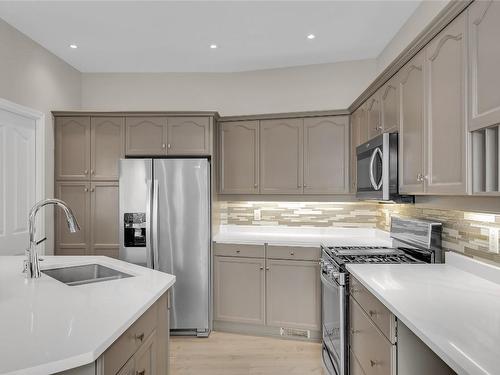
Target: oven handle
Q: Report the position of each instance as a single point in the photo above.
(375, 185)
(328, 283)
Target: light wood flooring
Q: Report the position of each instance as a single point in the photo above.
(232, 354)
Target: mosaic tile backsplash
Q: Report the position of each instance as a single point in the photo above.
(464, 232)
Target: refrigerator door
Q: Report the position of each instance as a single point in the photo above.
(183, 239)
(135, 211)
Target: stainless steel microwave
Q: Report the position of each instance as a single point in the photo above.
(377, 168)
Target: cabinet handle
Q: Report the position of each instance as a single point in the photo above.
(354, 331)
(86, 190)
(261, 267)
(292, 253)
(372, 313)
(139, 337)
(354, 290)
(92, 172)
(255, 185)
(419, 177)
(163, 145)
(267, 268)
(168, 145)
(143, 372)
(373, 363)
(92, 190)
(86, 171)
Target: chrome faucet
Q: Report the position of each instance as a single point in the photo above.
(31, 264)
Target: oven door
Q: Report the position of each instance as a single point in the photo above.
(334, 323)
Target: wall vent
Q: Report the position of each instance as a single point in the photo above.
(293, 332)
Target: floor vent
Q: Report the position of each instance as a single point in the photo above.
(292, 332)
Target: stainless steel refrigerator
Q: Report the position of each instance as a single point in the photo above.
(165, 225)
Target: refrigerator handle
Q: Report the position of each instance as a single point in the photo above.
(154, 226)
(149, 260)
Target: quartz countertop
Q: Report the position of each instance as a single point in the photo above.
(454, 308)
(302, 236)
(48, 326)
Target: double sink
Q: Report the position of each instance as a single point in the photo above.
(84, 274)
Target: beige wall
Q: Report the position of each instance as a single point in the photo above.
(314, 87)
(422, 16)
(33, 77)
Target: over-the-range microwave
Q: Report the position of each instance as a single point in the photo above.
(377, 169)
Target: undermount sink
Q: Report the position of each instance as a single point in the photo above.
(86, 274)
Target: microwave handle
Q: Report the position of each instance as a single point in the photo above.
(375, 185)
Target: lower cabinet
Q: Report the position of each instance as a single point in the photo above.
(250, 289)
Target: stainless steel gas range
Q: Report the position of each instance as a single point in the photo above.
(414, 241)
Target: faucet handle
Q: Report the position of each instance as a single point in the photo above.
(40, 241)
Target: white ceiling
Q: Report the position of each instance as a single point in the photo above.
(174, 36)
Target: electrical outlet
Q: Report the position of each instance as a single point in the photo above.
(256, 214)
(494, 240)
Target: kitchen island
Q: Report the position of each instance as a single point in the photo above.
(51, 327)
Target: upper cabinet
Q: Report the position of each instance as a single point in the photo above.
(411, 126)
(72, 148)
(484, 64)
(326, 155)
(373, 118)
(146, 136)
(389, 105)
(354, 143)
(281, 156)
(107, 147)
(239, 157)
(188, 135)
(446, 134)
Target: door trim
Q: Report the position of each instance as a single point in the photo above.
(40, 134)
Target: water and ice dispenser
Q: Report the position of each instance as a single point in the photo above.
(134, 229)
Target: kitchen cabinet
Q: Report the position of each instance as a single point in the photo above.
(107, 136)
(146, 136)
(239, 157)
(72, 148)
(353, 144)
(239, 290)
(103, 218)
(326, 155)
(363, 124)
(293, 297)
(77, 195)
(484, 63)
(188, 136)
(281, 156)
(445, 143)
(389, 105)
(373, 119)
(412, 126)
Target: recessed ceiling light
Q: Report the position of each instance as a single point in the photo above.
(73, 46)
(311, 36)
(213, 46)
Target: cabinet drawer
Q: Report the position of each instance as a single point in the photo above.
(238, 250)
(377, 312)
(375, 354)
(290, 252)
(128, 343)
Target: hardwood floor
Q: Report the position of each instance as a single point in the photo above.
(232, 354)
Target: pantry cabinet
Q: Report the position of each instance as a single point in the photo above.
(72, 148)
(484, 62)
(103, 218)
(326, 155)
(239, 157)
(146, 136)
(281, 156)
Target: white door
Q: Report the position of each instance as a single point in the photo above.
(17, 180)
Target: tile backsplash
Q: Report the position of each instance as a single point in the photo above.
(465, 232)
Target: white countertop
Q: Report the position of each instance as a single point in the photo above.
(302, 236)
(448, 306)
(47, 326)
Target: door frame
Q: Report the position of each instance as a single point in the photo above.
(40, 134)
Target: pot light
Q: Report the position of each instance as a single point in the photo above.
(73, 46)
(311, 36)
(213, 46)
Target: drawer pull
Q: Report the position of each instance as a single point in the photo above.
(237, 251)
(373, 363)
(354, 291)
(372, 313)
(143, 372)
(292, 253)
(140, 337)
(354, 331)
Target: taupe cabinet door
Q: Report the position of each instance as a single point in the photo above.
(239, 290)
(293, 296)
(188, 136)
(281, 158)
(363, 124)
(389, 105)
(145, 358)
(104, 218)
(77, 196)
(484, 62)
(72, 148)
(412, 126)
(374, 122)
(239, 157)
(326, 155)
(107, 141)
(445, 146)
(354, 144)
(146, 136)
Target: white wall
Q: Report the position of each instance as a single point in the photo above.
(422, 16)
(305, 88)
(32, 76)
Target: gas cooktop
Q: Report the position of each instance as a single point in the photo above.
(368, 254)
